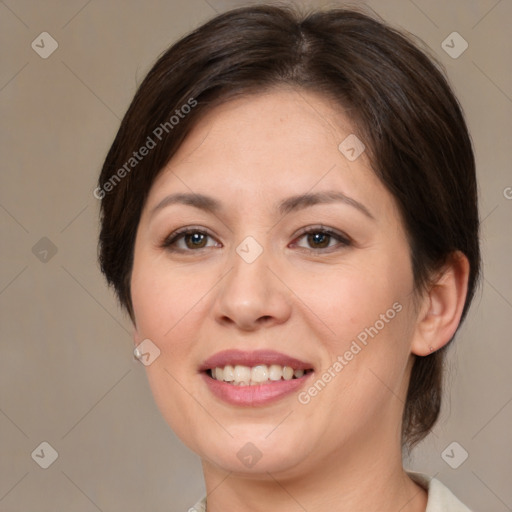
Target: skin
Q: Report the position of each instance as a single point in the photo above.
(341, 451)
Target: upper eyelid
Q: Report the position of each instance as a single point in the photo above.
(342, 237)
(181, 232)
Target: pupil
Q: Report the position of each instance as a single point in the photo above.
(196, 238)
(319, 238)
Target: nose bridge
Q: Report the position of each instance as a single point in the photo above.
(251, 291)
(249, 278)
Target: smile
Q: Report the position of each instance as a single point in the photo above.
(240, 375)
(254, 378)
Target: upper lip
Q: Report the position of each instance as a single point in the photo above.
(253, 358)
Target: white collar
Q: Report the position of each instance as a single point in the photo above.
(440, 498)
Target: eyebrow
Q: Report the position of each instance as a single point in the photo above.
(286, 206)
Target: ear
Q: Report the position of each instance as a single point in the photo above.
(442, 307)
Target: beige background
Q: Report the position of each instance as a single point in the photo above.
(66, 367)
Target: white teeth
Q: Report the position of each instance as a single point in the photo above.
(287, 373)
(241, 375)
(259, 373)
(229, 374)
(275, 372)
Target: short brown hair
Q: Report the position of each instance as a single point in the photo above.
(404, 110)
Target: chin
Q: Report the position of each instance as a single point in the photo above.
(253, 463)
(253, 455)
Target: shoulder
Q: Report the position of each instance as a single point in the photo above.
(440, 498)
(200, 506)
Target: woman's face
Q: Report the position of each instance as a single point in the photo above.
(336, 303)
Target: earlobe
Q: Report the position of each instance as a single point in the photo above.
(442, 308)
(137, 354)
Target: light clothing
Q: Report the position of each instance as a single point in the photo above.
(440, 498)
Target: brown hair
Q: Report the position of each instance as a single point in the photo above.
(401, 104)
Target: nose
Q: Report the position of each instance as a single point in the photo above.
(251, 295)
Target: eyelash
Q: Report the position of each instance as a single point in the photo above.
(344, 240)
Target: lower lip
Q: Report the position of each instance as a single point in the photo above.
(260, 394)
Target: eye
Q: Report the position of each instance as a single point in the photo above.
(193, 239)
(320, 238)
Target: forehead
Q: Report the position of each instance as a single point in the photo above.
(274, 144)
(293, 124)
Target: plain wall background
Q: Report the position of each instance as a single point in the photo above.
(66, 367)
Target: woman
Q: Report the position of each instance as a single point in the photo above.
(289, 216)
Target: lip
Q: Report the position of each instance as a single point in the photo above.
(259, 394)
(253, 358)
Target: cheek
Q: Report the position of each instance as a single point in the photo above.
(362, 299)
(168, 310)
(369, 309)
(164, 298)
